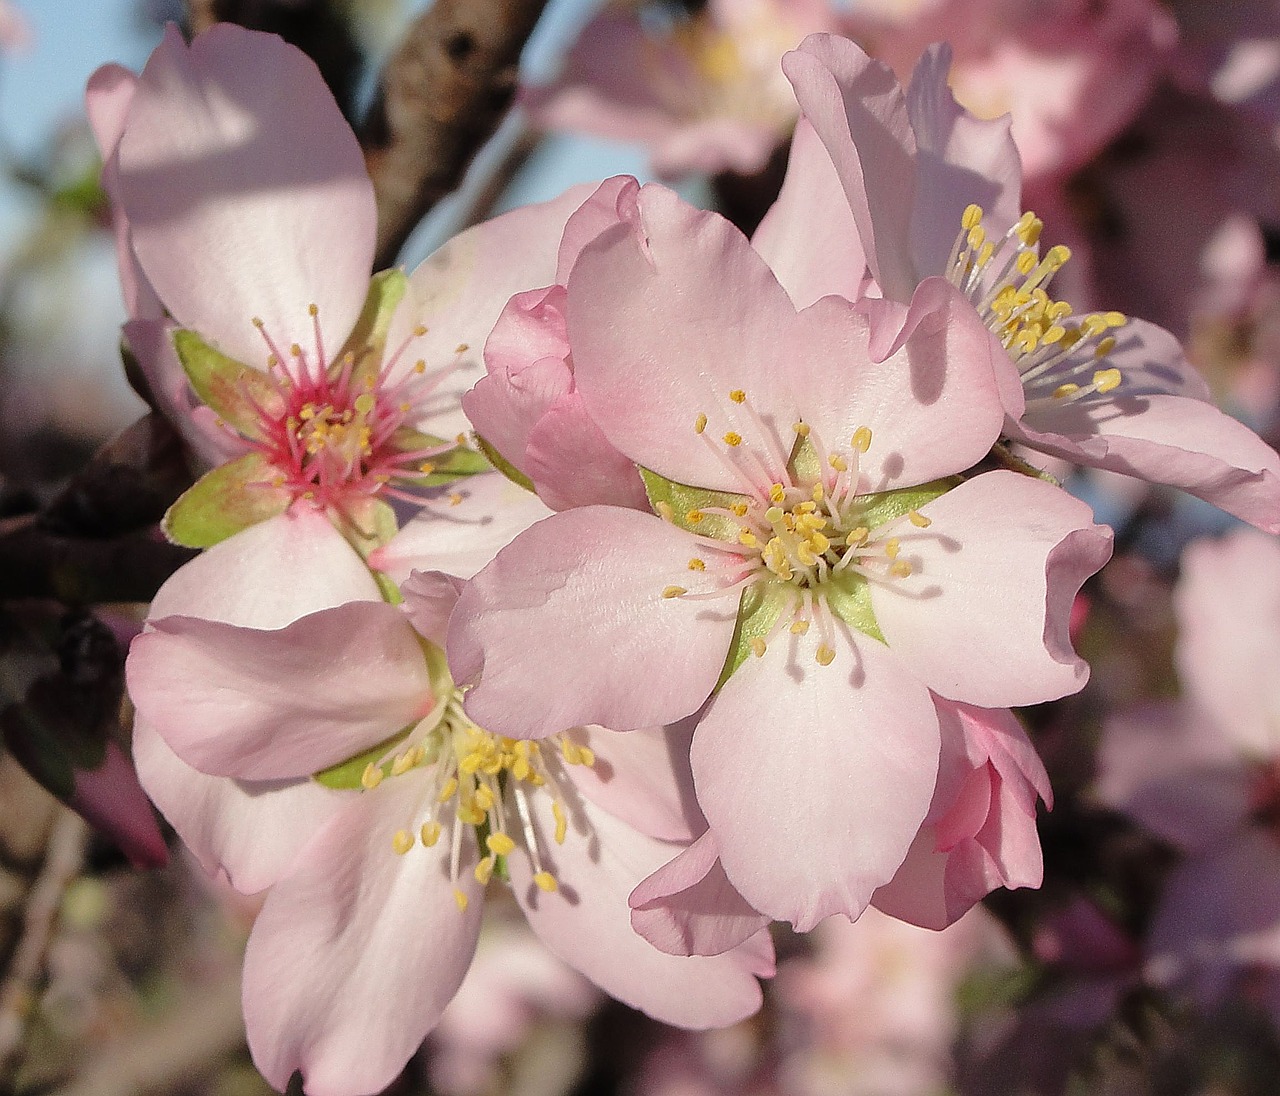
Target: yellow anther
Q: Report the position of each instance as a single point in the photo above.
(747, 538)
(1026, 262)
(777, 493)
(365, 402)
(1059, 255)
(562, 823)
(371, 777)
(571, 751)
(862, 439)
(694, 516)
(1094, 325)
(485, 798)
(799, 627)
(774, 515)
(838, 462)
(471, 815)
(700, 423)
(900, 568)
(696, 564)
(450, 786)
(545, 881)
(460, 899)
(806, 507)
(739, 508)
(462, 348)
(455, 499)
(971, 218)
(984, 256)
(588, 755)
(818, 542)
(669, 592)
(733, 439)
(521, 769)
(918, 519)
(1053, 334)
(257, 322)
(499, 843)
(295, 350)
(892, 547)
(818, 493)
(757, 647)
(402, 764)
(1104, 347)
(977, 237)
(801, 429)
(738, 396)
(426, 468)
(420, 367)
(824, 654)
(857, 536)
(1065, 390)
(420, 330)
(1059, 310)
(1115, 319)
(402, 841)
(430, 833)
(1105, 380)
(313, 310)
(1030, 233)
(484, 870)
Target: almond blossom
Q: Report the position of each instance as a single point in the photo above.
(913, 186)
(808, 566)
(246, 230)
(366, 935)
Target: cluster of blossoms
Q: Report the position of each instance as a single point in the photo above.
(718, 617)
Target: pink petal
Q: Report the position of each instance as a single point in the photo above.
(808, 237)
(858, 110)
(984, 615)
(429, 601)
(459, 291)
(267, 705)
(641, 777)
(961, 159)
(587, 923)
(460, 537)
(604, 209)
(111, 800)
(572, 463)
(355, 955)
(1228, 603)
(815, 778)
(246, 192)
(689, 907)
(568, 626)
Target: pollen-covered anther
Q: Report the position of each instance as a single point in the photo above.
(546, 882)
(733, 439)
(670, 592)
(1106, 380)
(861, 439)
(900, 568)
(825, 654)
(918, 519)
(402, 841)
(430, 833)
(696, 564)
(738, 396)
(700, 423)
(371, 777)
(460, 899)
(799, 627)
(758, 647)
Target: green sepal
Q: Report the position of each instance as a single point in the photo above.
(804, 465)
(237, 393)
(222, 502)
(673, 501)
(387, 588)
(505, 466)
(878, 509)
(367, 523)
(450, 466)
(347, 774)
(849, 597)
(758, 610)
(368, 339)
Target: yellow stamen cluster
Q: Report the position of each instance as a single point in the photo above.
(346, 433)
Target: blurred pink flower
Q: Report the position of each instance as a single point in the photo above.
(704, 93)
(818, 580)
(921, 188)
(1204, 773)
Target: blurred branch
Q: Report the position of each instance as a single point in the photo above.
(443, 93)
(63, 860)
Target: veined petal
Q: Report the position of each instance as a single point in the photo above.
(816, 778)
(587, 923)
(460, 530)
(569, 626)
(246, 191)
(983, 615)
(859, 111)
(268, 705)
(355, 955)
(689, 907)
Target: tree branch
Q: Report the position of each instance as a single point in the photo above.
(443, 93)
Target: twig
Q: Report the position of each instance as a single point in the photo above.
(63, 859)
(444, 92)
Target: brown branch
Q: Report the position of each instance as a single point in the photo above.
(444, 92)
(62, 863)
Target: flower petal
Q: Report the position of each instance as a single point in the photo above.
(983, 617)
(593, 579)
(689, 907)
(816, 778)
(267, 705)
(355, 955)
(587, 923)
(246, 192)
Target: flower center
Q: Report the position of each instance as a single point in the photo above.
(1061, 360)
(483, 781)
(806, 526)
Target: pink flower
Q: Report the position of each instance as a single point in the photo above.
(246, 215)
(808, 568)
(1202, 774)
(912, 186)
(703, 93)
(365, 937)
